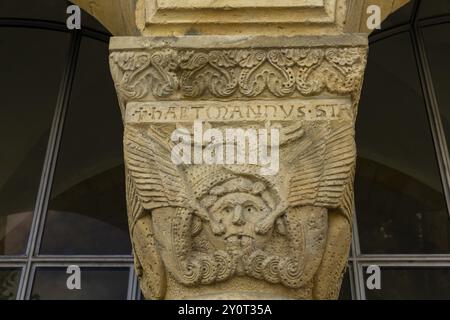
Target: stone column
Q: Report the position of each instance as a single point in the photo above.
(287, 78)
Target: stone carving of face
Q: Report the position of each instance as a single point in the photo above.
(239, 214)
(238, 206)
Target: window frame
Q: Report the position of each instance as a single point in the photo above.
(31, 258)
(357, 260)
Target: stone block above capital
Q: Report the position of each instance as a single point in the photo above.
(235, 17)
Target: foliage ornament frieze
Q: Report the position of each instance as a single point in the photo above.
(234, 73)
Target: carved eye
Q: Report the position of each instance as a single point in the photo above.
(251, 209)
(227, 210)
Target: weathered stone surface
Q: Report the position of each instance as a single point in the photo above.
(229, 231)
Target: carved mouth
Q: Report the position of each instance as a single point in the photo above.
(239, 236)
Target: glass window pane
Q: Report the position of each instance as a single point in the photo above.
(9, 282)
(30, 76)
(412, 283)
(346, 289)
(87, 212)
(434, 8)
(96, 284)
(52, 10)
(399, 200)
(437, 42)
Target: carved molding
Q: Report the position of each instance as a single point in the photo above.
(184, 17)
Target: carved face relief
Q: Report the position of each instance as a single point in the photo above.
(238, 206)
(239, 213)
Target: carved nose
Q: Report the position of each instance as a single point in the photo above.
(238, 219)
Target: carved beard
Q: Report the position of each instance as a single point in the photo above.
(239, 247)
(243, 256)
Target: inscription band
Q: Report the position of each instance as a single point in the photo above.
(229, 111)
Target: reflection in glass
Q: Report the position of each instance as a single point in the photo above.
(9, 282)
(434, 8)
(29, 84)
(399, 200)
(87, 211)
(398, 213)
(51, 10)
(96, 284)
(437, 43)
(411, 283)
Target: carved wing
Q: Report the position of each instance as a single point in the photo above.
(147, 258)
(323, 167)
(159, 182)
(338, 168)
(153, 181)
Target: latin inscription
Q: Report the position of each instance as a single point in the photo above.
(287, 110)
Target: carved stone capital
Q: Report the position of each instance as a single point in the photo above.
(238, 230)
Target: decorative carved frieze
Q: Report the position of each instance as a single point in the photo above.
(173, 73)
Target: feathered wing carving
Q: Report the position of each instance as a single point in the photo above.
(153, 181)
(323, 168)
(159, 182)
(148, 263)
(323, 177)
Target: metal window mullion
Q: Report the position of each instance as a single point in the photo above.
(137, 288)
(357, 277)
(407, 264)
(385, 34)
(33, 24)
(401, 258)
(83, 259)
(131, 284)
(41, 205)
